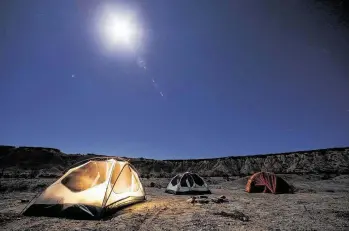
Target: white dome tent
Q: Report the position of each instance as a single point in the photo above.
(90, 190)
(187, 183)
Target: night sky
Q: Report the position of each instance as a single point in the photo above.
(206, 79)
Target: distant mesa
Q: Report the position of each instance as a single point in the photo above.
(22, 161)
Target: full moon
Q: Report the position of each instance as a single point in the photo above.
(119, 29)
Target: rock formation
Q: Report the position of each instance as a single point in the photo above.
(49, 160)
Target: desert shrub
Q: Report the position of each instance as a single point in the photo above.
(152, 184)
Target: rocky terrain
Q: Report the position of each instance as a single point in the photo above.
(320, 200)
(317, 204)
(30, 162)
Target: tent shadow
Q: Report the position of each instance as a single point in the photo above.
(121, 211)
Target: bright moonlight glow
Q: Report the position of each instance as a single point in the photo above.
(119, 29)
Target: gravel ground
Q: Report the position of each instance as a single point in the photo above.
(316, 205)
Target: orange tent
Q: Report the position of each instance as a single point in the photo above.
(267, 182)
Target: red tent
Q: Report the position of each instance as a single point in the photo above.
(267, 182)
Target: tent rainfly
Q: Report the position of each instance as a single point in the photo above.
(90, 191)
(187, 183)
(268, 183)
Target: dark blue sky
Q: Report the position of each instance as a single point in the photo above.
(238, 78)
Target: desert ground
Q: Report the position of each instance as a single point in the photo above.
(320, 202)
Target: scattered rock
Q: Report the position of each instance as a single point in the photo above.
(155, 185)
(202, 201)
(24, 201)
(191, 200)
(220, 199)
(198, 200)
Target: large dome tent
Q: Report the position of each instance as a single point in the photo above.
(90, 190)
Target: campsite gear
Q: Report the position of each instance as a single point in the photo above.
(90, 191)
(267, 182)
(220, 199)
(187, 183)
(199, 200)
